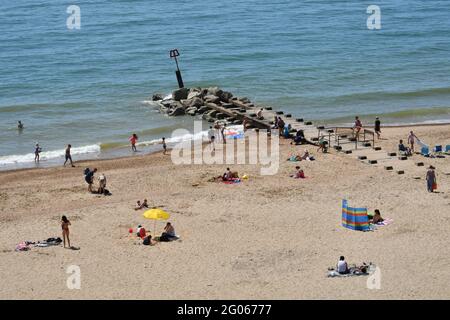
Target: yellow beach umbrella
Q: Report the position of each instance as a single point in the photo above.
(156, 214)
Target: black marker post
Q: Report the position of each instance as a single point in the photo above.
(174, 54)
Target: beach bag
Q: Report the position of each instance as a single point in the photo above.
(434, 187)
(146, 241)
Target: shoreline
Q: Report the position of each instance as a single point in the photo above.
(109, 158)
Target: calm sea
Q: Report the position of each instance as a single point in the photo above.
(315, 59)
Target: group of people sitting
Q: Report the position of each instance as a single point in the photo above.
(147, 240)
(343, 268)
(141, 205)
(305, 156)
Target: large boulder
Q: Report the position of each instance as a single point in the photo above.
(194, 93)
(157, 97)
(180, 94)
(226, 96)
(215, 91)
(212, 99)
(203, 109)
(178, 111)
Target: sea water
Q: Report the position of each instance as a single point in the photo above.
(316, 59)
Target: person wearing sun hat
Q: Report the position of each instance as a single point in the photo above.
(431, 179)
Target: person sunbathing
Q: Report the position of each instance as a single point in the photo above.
(169, 233)
(299, 174)
(306, 155)
(138, 205)
(295, 157)
(377, 217)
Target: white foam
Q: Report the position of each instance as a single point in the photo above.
(47, 155)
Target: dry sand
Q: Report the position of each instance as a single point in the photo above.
(271, 237)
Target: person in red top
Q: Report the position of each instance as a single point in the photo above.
(133, 140)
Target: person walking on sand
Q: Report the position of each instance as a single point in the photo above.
(431, 179)
(378, 127)
(164, 145)
(65, 223)
(211, 137)
(411, 140)
(68, 156)
(357, 128)
(37, 151)
(133, 139)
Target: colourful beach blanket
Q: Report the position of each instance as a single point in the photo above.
(354, 218)
(233, 181)
(236, 132)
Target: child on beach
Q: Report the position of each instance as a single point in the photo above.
(65, 223)
(140, 205)
(37, 151)
(101, 184)
(164, 145)
(133, 140)
(299, 174)
(68, 156)
(402, 149)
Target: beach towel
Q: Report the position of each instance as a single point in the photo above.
(354, 218)
(236, 132)
(386, 222)
(23, 246)
(232, 181)
(353, 272)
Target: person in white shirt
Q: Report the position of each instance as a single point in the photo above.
(342, 266)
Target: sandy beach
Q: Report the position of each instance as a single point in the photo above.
(269, 237)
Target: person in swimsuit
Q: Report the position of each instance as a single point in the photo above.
(411, 140)
(68, 156)
(65, 223)
(377, 217)
(19, 125)
(133, 140)
(37, 150)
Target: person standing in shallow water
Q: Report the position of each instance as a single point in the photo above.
(68, 156)
(19, 125)
(164, 145)
(37, 151)
(133, 140)
(65, 223)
